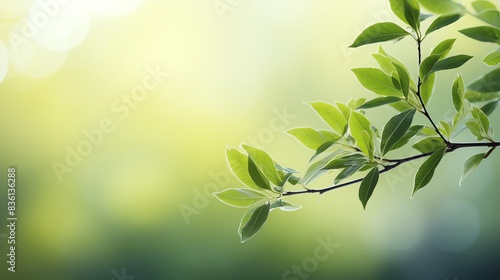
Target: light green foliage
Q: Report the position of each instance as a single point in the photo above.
(350, 146)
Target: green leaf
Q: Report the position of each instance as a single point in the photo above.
(312, 138)
(367, 186)
(475, 129)
(257, 176)
(427, 65)
(442, 6)
(253, 221)
(426, 170)
(457, 93)
(445, 129)
(424, 16)
(348, 172)
(412, 131)
(442, 21)
(360, 128)
(265, 164)
(450, 62)
(488, 83)
(345, 161)
(377, 81)
(395, 129)
(240, 197)
(471, 164)
(379, 101)
(481, 6)
(443, 48)
(331, 115)
(482, 119)
(317, 168)
(379, 32)
(238, 162)
(408, 11)
(482, 33)
(284, 206)
(490, 107)
(404, 78)
(492, 59)
(427, 87)
(354, 103)
(487, 12)
(476, 96)
(429, 144)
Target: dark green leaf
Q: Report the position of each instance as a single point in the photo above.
(317, 168)
(379, 32)
(360, 128)
(426, 170)
(450, 62)
(442, 21)
(321, 149)
(331, 115)
(443, 48)
(427, 65)
(404, 78)
(429, 144)
(471, 164)
(427, 87)
(412, 131)
(492, 59)
(240, 197)
(458, 93)
(482, 33)
(488, 83)
(348, 172)
(257, 176)
(442, 6)
(490, 107)
(253, 221)
(368, 185)
(379, 102)
(377, 81)
(424, 16)
(408, 11)
(345, 161)
(476, 96)
(312, 138)
(395, 129)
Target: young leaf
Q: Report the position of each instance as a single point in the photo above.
(331, 115)
(475, 129)
(488, 83)
(312, 138)
(348, 172)
(482, 119)
(265, 164)
(404, 78)
(253, 221)
(471, 164)
(379, 32)
(412, 131)
(450, 63)
(482, 33)
(429, 144)
(426, 170)
(284, 206)
(368, 185)
(379, 101)
(427, 87)
(492, 59)
(395, 129)
(238, 162)
(345, 161)
(442, 6)
(458, 93)
(408, 11)
(443, 48)
(354, 103)
(360, 126)
(442, 21)
(445, 129)
(240, 197)
(427, 65)
(377, 81)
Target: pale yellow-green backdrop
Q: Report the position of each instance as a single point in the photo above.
(116, 115)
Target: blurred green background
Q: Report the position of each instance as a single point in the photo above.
(137, 203)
